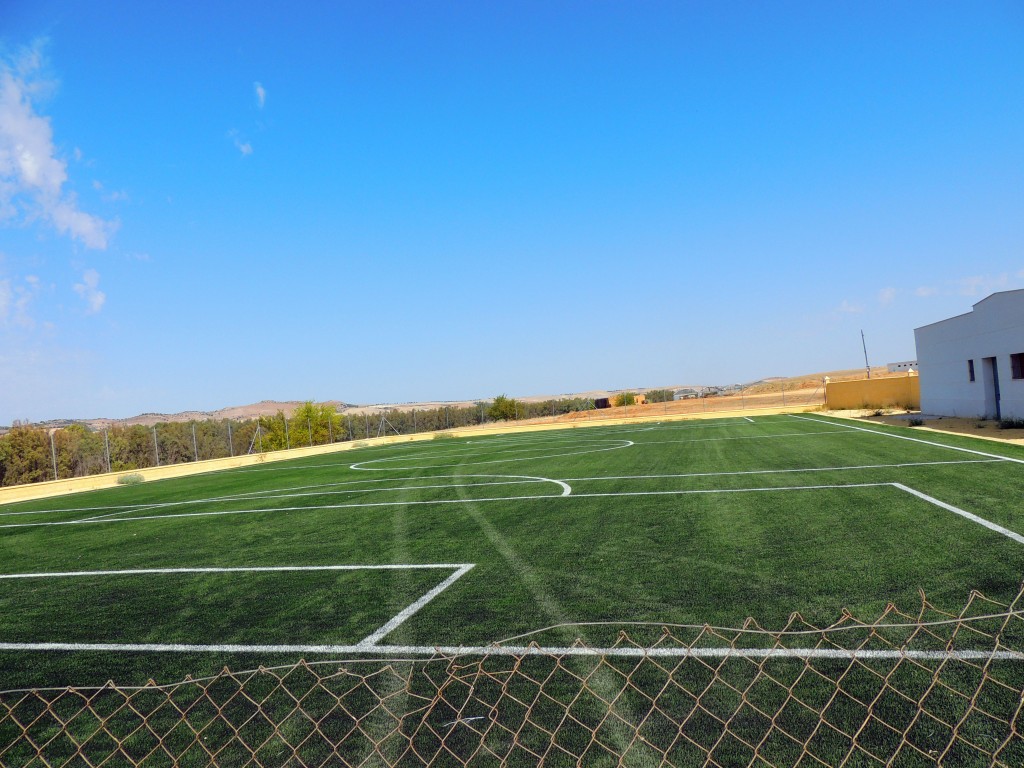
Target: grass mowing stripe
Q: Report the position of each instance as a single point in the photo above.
(783, 471)
(744, 437)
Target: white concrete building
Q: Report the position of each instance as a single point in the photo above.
(973, 364)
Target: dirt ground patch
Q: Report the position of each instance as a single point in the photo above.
(984, 428)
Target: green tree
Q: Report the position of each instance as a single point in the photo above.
(505, 409)
(659, 395)
(625, 398)
(25, 455)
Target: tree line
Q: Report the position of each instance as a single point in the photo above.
(32, 454)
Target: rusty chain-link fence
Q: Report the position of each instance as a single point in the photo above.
(925, 689)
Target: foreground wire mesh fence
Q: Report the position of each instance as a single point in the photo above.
(927, 689)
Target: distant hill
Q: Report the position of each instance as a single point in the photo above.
(271, 407)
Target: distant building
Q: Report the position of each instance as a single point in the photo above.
(972, 365)
(909, 365)
(685, 394)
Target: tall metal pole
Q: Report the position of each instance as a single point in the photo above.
(259, 433)
(287, 439)
(309, 426)
(156, 446)
(195, 445)
(106, 445)
(53, 452)
(231, 444)
(330, 428)
(865, 345)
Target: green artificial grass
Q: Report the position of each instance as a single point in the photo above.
(683, 523)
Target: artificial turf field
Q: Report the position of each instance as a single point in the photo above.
(395, 551)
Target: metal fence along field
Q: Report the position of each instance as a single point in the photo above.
(906, 690)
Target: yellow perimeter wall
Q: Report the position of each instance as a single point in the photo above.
(898, 391)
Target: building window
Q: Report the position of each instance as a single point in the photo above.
(1017, 365)
(970, 370)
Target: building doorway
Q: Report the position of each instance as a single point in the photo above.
(990, 377)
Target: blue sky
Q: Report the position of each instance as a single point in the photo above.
(383, 202)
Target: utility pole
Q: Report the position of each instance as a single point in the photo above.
(156, 446)
(231, 445)
(106, 444)
(53, 452)
(195, 445)
(865, 345)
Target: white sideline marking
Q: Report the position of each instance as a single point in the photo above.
(911, 439)
(749, 419)
(372, 639)
(430, 502)
(963, 513)
(686, 492)
(528, 650)
(240, 569)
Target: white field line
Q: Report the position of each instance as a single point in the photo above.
(369, 645)
(963, 513)
(528, 650)
(276, 493)
(367, 505)
(461, 569)
(241, 569)
(784, 471)
(359, 465)
(566, 490)
(375, 637)
(433, 502)
(749, 419)
(911, 439)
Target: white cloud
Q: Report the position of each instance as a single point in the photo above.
(15, 301)
(261, 94)
(6, 300)
(982, 284)
(887, 296)
(89, 290)
(926, 290)
(850, 308)
(32, 176)
(240, 144)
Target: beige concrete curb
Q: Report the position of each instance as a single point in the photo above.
(51, 488)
